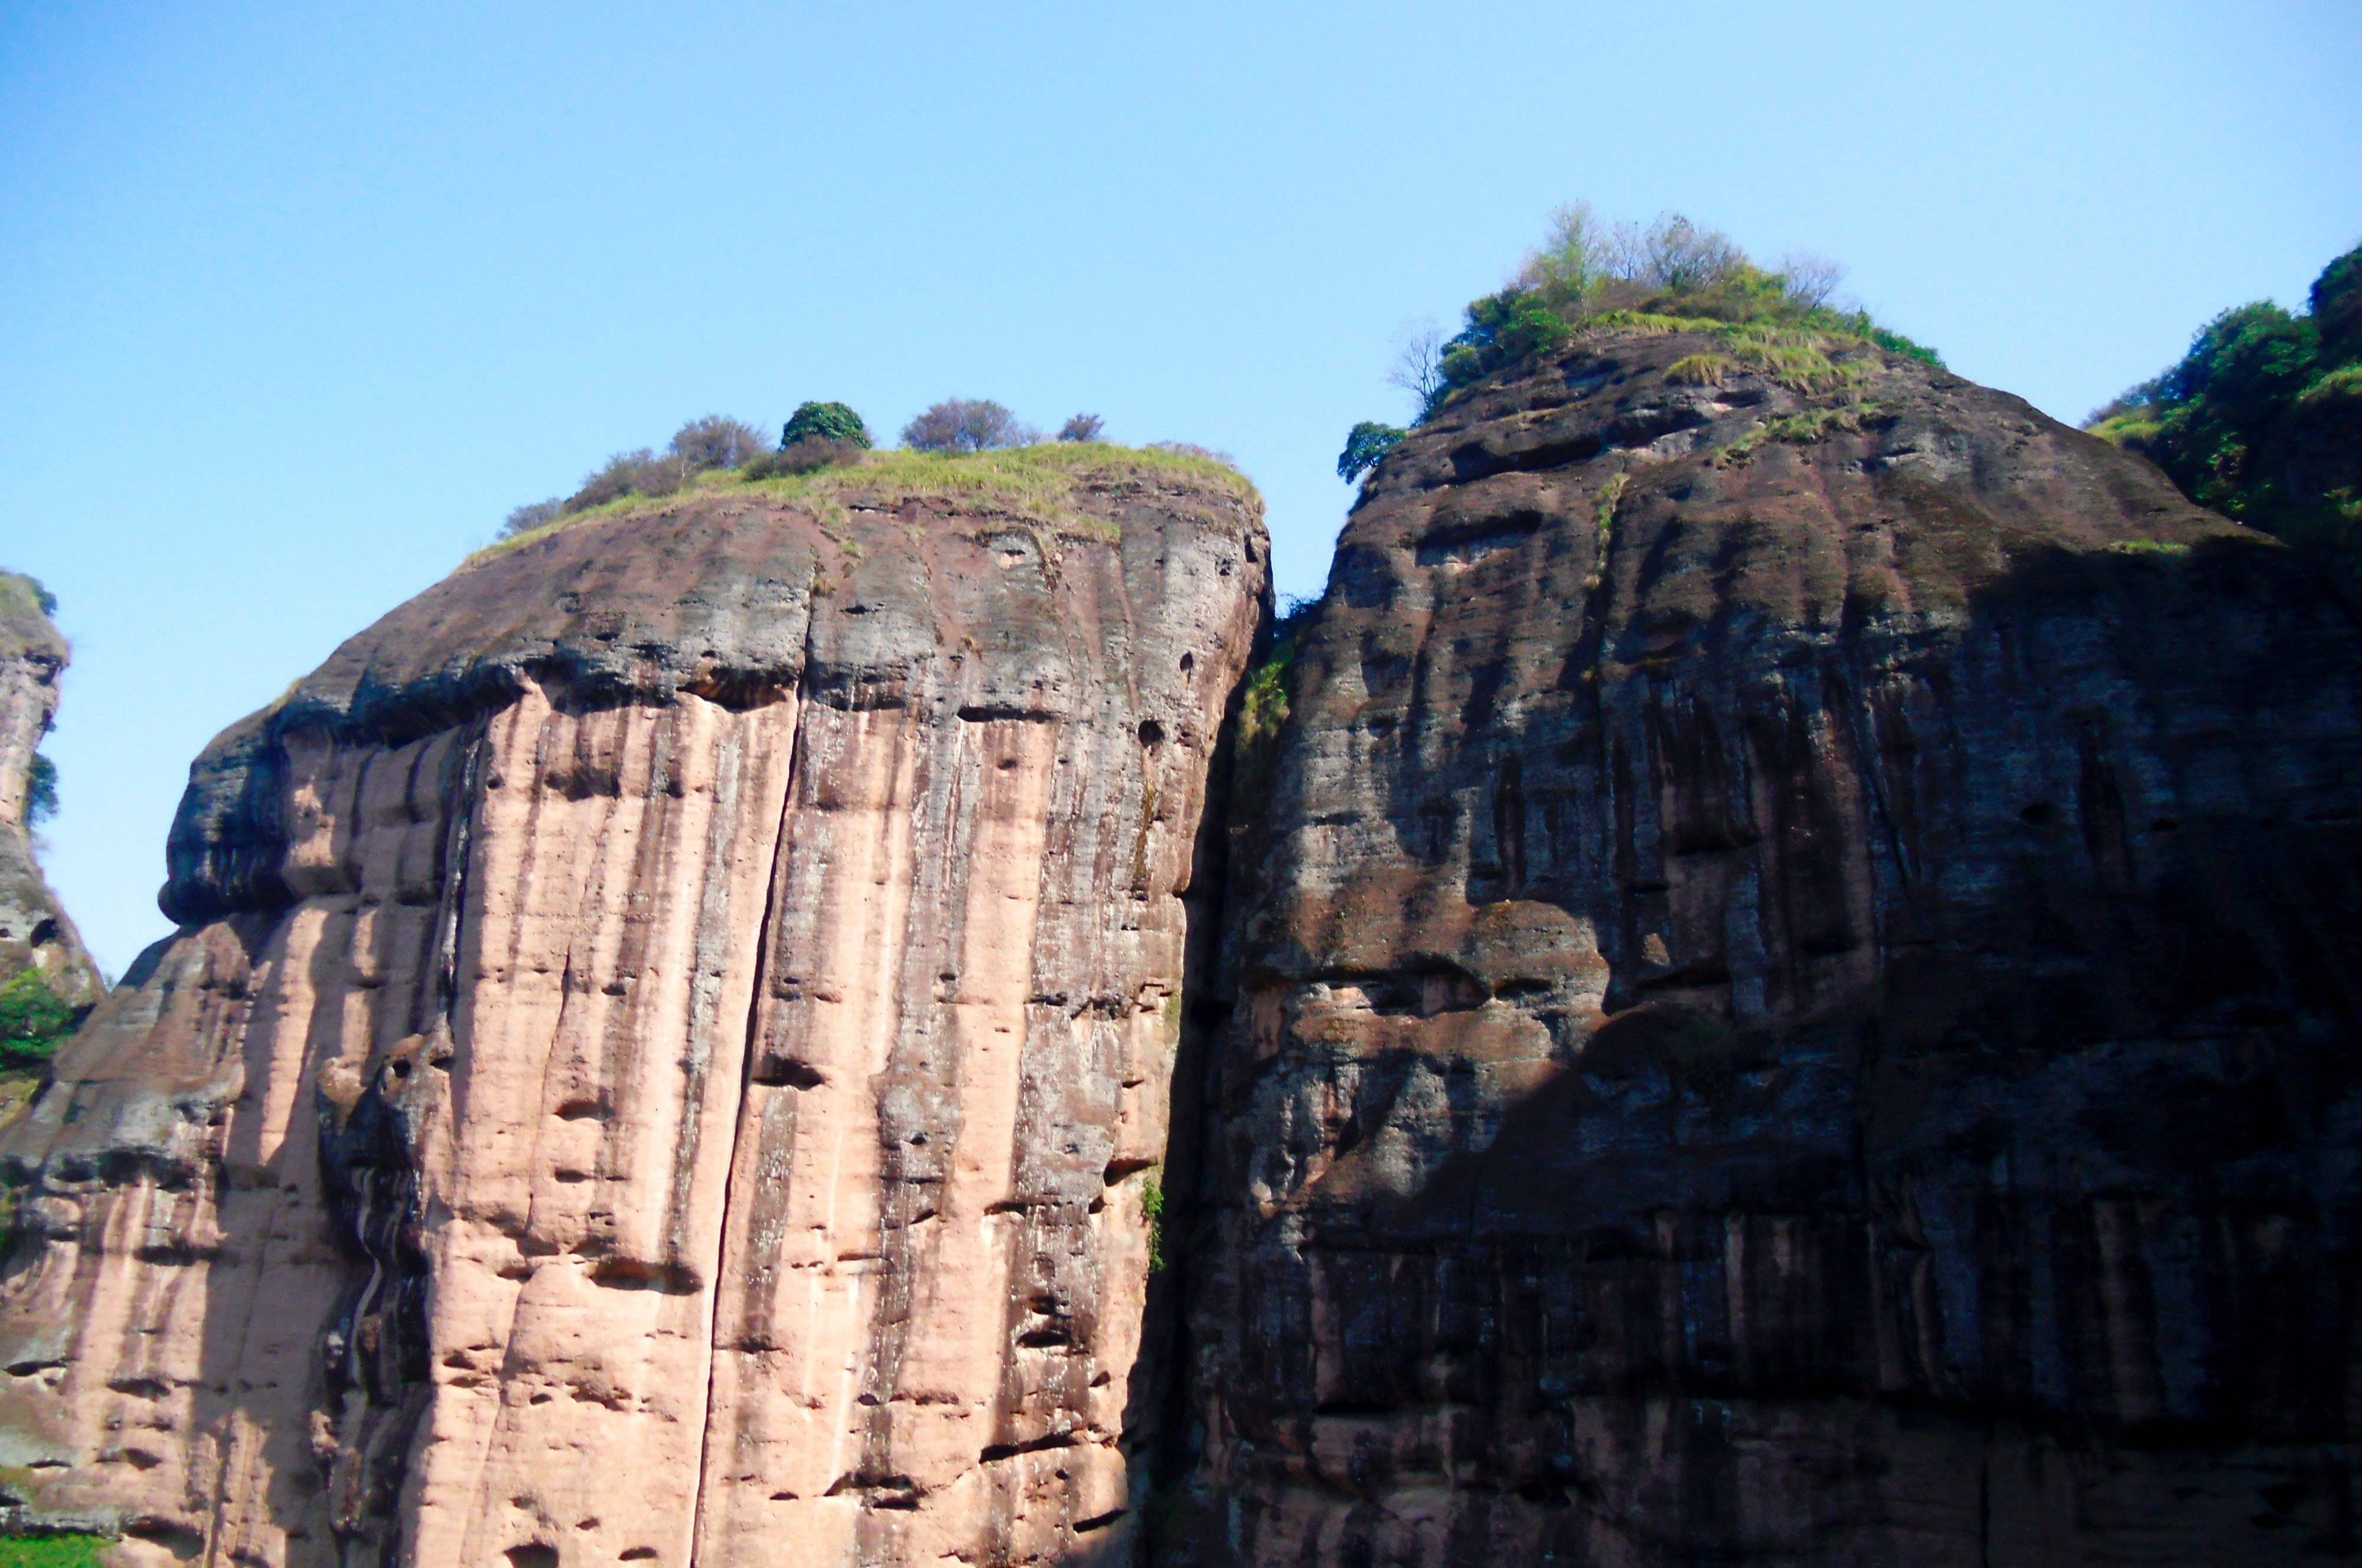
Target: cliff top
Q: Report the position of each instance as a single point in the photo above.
(1041, 483)
(24, 626)
(856, 584)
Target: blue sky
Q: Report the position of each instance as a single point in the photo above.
(299, 301)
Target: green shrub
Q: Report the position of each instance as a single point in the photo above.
(1365, 444)
(34, 1020)
(1082, 428)
(637, 472)
(1151, 1209)
(828, 421)
(2261, 420)
(526, 519)
(805, 455)
(41, 791)
(715, 442)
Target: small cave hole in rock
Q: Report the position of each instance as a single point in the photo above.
(1188, 662)
(2042, 813)
(1151, 733)
(534, 1556)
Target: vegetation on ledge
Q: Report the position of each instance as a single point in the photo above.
(34, 1022)
(1039, 482)
(2262, 419)
(67, 1551)
(1673, 276)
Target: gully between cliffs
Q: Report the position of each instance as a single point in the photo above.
(1783, 992)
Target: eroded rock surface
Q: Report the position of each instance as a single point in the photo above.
(35, 931)
(666, 1050)
(1802, 1008)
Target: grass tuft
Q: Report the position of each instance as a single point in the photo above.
(1799, 429)
(1701, 369)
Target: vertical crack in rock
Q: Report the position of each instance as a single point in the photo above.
(374, 1351)
(732, 1195)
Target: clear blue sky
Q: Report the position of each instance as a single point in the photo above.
(299, 301)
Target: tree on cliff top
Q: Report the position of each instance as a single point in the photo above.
(825, 421)
(959, 425)
(2261, 420)
(715, 442)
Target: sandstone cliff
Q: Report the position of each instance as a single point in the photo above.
(1786, 993)
(1801, 1004)
(666, 1056)
(34, 929)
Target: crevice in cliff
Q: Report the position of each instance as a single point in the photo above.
(374, 1351)
(750, 1057)
(1157, 1427)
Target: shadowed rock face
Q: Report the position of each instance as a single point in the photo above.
(1801, 1006)
(667, 1045)
(34, 929)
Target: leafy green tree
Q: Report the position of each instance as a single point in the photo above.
(1364, 446)
(827, 421)
(1501, 329)
(34, 1020)
(2261, 420)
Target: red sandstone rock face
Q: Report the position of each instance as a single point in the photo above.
(35, 931)
(668, 1040)
(1801, 1006)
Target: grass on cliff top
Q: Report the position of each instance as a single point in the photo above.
(1039, 482)
(1590, 280)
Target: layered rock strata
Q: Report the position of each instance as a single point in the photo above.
(1802, 1003)
(35, 931)
(665, 1055)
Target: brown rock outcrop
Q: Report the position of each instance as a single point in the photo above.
(34, 929)
(1802, 1005)
(664, 1056)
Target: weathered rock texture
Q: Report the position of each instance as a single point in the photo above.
(1801, 1007)
(34, 929)
(665, 1053)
